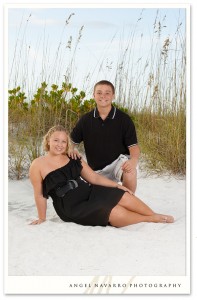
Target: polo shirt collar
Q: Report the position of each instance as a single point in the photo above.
(111, 114)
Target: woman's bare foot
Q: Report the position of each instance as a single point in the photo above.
(158, 218)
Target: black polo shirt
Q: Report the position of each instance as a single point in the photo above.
(104, 140)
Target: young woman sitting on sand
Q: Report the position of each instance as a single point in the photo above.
(79, 194)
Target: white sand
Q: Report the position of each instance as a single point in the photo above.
(65, 249)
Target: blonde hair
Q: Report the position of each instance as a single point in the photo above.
(49, 134)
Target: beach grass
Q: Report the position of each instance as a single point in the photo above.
(151, 89)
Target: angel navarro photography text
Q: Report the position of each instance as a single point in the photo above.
(125, 285)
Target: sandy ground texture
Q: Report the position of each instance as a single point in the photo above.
(56, 248)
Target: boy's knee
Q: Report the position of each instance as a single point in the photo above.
(130, 175)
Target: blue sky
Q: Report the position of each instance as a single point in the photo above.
(38, 41)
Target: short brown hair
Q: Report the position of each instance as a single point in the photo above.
(105, 82)
(49, 134)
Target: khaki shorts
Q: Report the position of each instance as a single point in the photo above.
(114, 170)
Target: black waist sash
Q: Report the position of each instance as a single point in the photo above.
(70, 185)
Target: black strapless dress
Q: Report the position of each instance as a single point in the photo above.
(87, 204)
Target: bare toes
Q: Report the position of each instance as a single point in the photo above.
(163, 218)
(167, 219)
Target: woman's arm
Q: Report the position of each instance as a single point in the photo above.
(92, 177)
(41, 202)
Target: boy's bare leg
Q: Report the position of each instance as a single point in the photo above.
(130, 180)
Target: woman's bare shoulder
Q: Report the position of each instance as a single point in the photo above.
(38, 162)
(36, 167)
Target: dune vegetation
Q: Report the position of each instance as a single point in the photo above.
(153, 94)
